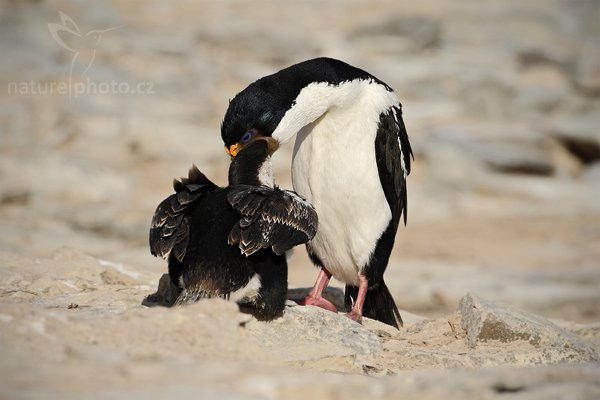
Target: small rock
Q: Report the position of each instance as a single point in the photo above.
(554, 56)
(486, 321)
(579, 135)
(15, 197)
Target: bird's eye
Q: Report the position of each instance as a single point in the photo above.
(246, 138)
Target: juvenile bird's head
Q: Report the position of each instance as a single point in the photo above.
(252, 163)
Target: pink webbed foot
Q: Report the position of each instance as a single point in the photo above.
(319, 302)
(314, 297)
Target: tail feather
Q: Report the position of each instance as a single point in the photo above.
(379, 304)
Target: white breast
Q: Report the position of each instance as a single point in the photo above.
(334, 167)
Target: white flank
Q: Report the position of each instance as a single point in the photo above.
(334, 168)
(265, 173)
(248, 292)
(289, 254)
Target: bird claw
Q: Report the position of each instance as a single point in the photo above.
(354, 316)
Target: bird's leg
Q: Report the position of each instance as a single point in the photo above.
(314, 297)
(357, 308)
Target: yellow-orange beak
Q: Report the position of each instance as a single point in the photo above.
(233, 149)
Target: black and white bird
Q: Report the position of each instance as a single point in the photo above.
(351, 159)
(231, 242)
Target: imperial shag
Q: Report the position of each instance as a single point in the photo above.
(351, 159)
(230, 242)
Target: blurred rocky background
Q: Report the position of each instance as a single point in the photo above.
(103, 103)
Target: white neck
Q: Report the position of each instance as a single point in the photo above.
(318, 98)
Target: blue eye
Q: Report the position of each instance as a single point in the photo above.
(246, 138)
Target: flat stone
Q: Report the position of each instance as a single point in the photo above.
(311, 333)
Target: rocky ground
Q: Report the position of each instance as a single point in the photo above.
(497, 271)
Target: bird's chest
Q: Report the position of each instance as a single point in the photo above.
(334, 167)
(328, 164)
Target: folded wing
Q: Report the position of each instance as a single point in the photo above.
(393, 153)
(169, 230)
(271, 217)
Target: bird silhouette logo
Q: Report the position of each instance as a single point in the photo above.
(83, 46)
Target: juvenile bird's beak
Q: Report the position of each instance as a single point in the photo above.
(233, 149)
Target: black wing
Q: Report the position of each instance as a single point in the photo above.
(271, 217)
(393, 153)
(169, 230)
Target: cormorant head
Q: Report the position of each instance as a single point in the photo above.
(249, 117)
(258, 110)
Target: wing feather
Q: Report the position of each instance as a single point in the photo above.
(271, 217)
(169, 229)
(394, 154)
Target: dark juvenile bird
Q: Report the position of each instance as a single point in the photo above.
(231, 242)
(351, 159)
